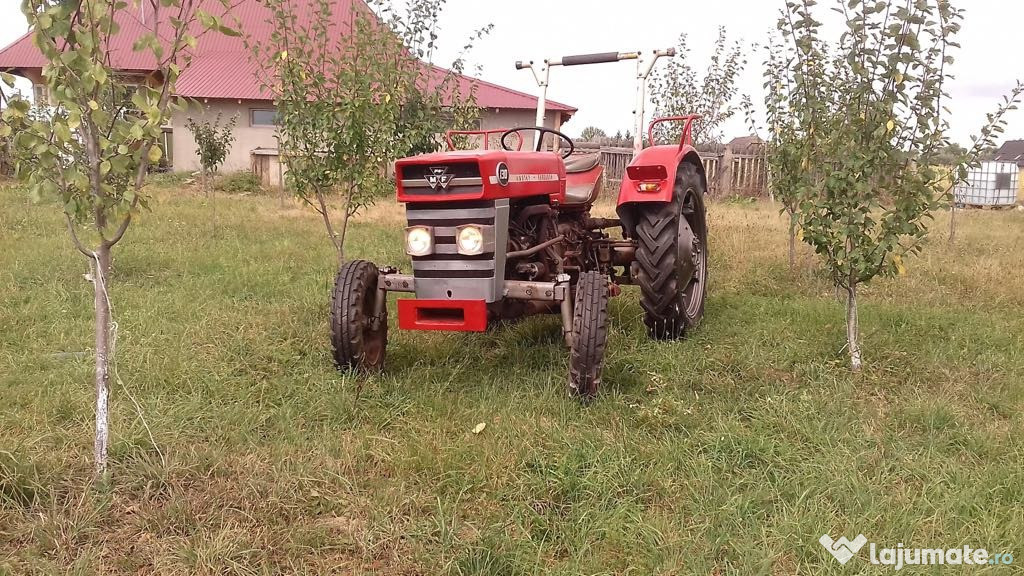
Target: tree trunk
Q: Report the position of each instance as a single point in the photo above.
(211, 198)
(343, 229)
(338, 244)
(341, 236)
(101, 269)
(952, 222)
(280, 180)
(792, 242)
(852, 327)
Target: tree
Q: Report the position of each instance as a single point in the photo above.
(857, 131)
(676, 90)
(349, 106)
(786, 150)
(594, 134)
(213, 142)
(92, 151)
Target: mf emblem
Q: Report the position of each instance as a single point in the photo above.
(439, 177)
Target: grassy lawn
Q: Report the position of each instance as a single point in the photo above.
(730, 452)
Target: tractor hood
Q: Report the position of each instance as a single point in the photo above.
(480, 175)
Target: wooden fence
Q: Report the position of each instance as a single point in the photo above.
(728, 173)
(748, 176)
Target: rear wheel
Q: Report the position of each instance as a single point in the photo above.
(672, 258)
(589, 335)
(359, 337)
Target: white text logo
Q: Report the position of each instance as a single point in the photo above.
(843, 549)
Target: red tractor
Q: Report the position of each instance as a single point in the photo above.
(503, 233)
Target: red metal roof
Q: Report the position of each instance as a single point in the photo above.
(222, 66)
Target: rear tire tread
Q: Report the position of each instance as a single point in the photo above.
(656, 255)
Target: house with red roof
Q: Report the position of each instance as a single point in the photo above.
(225, 80)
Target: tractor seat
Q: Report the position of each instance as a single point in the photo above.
(583, 163)
(582, 188)
(585, 193)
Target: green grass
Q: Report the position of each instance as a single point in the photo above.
(730, 452)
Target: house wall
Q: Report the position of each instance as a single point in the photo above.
(491, 119)
(247, 137)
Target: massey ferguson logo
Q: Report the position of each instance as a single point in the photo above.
(439, 177)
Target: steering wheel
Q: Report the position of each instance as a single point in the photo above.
(540, 134)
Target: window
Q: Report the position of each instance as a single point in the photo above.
(262, 117)
(40, 95)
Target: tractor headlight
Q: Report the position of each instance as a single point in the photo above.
(470, 240)
(419, 241)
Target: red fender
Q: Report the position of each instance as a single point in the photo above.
(651, 176)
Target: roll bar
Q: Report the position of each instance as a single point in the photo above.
(643, 70)
(687, 136)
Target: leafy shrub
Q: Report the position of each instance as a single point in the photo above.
(213, 141)
(243, 182)
(171, 179)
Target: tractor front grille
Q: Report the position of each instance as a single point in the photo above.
(448, 275)
(442, 179)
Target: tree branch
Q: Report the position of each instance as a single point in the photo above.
(124, 225)
(74, 238)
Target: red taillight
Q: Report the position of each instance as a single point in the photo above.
(647, 173)
(648, 178)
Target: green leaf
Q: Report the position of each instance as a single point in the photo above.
(207, 20)
(155, 154)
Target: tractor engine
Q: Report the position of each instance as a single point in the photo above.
(531, 226)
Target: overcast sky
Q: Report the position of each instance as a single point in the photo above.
(986, 66)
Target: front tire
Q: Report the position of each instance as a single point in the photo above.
(589, 335)
(359, 337)
(672, 257)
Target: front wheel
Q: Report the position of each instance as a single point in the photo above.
(359, 322)
(672, 254)
(589, 335)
